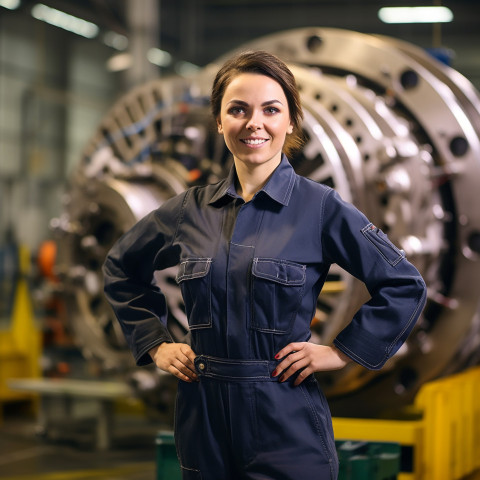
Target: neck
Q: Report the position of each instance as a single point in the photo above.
(251, 179)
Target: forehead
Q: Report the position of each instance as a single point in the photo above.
(254, 86)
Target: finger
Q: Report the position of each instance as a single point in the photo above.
(189, 353)
(287, 362)
(185, 369)
(293, 368)
(291, 347)
(177, 373)
(187, 360)
(302, 376)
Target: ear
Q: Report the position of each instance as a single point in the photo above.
(290, 129)
(219, 126)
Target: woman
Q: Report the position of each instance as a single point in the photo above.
(253, 252)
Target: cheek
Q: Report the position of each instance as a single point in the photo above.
(228, 134)
(280, 128)
(229, 128)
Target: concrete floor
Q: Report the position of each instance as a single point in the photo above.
(24, 455)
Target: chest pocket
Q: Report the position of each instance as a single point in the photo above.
(194, 278)
(276, 292)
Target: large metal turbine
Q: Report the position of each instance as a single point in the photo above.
(389, 127)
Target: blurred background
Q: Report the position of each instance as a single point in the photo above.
(104, 115)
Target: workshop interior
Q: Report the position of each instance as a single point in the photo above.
(104, 116)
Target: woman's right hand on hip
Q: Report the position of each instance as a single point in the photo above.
(175, 358)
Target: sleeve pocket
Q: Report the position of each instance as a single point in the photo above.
(384, 246)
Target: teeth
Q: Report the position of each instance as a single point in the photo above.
(254, 142)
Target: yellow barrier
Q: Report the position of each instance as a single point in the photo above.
(20, 345)
(451, 416)
(445, 441)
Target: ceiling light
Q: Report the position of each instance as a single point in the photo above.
(64, 20)
(10, 4)
(159, 57)
(115, 40)
(186, 69)
(415, 14)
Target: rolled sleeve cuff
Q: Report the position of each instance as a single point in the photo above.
(362, 347)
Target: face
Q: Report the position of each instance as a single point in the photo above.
(254, 119)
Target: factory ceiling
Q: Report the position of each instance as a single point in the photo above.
(199, 31)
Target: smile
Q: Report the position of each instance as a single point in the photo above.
(253, 141)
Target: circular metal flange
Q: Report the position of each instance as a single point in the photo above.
(391, 129)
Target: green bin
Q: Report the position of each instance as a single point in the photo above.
(368, 460)
(168, 467)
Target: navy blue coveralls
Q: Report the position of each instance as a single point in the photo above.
(250, 275)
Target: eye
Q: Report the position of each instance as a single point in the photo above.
(237, 110)
(271, 110)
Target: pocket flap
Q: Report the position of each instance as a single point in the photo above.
(382, 243)
(280, 271)
(193, 268)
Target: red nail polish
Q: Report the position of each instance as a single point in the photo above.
(276, 356)
(274, 374)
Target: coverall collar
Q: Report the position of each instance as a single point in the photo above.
(279, 187)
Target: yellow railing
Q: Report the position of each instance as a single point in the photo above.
(445, 441)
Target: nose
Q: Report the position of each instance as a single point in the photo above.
(253, 124)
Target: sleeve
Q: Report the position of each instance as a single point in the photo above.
(139, 305)
(397, 290)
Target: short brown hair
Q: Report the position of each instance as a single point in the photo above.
(263, 63)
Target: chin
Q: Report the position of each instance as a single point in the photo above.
(259, 158)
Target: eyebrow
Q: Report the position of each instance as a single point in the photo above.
(264, 104)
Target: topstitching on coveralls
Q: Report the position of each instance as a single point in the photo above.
(250, 274)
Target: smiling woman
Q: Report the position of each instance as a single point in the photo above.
(256, 106)
(250, 292)
(254, 120)
(255, 63)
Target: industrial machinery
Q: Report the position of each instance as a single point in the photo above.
(393, 130)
